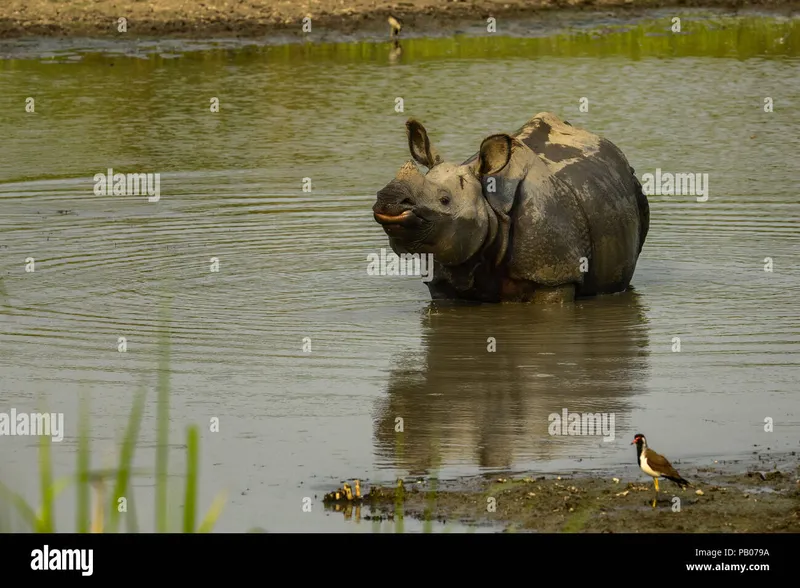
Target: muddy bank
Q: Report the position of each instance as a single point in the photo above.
(730, 497)
(233, 18)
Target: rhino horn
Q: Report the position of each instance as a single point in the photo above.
(408, 171)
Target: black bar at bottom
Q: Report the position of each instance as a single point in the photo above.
(226, 556)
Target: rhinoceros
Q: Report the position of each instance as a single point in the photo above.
(551, 212)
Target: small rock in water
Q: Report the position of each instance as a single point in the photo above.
(699, 492)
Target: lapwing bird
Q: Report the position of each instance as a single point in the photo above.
(655, 465)
(396, 25)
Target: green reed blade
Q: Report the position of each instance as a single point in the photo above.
(190, 500)
(213, 514)
(126, 459)
(46, 481)
(84, 463)
(131, 522)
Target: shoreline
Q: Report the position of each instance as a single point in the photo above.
(256, 18)
(758, 495)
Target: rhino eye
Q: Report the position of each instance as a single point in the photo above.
(445, 200)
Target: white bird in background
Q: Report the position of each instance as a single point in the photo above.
(396, 25)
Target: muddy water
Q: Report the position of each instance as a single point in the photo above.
(293, 265)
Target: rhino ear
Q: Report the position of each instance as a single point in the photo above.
(494, 155)
(419, 144)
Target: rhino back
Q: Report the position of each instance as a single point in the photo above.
(607, 192)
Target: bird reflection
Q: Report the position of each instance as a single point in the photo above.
(396, 52)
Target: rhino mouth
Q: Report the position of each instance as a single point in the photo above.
(405, 226)
(396, 208)
(394, 219)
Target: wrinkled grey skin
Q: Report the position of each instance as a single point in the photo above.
(564, 200)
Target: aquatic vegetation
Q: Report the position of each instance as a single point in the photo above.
(42, 520)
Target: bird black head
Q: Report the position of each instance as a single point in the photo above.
(637, 439)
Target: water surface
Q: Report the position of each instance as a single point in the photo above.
(292, 264)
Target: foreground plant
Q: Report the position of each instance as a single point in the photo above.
(42, 520)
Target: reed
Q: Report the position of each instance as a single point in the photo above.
(94, 520)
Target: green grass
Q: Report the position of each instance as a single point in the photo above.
(93, 520)
(577, 521)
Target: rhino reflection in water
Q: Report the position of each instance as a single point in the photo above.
(551, 212)
(463, 404)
